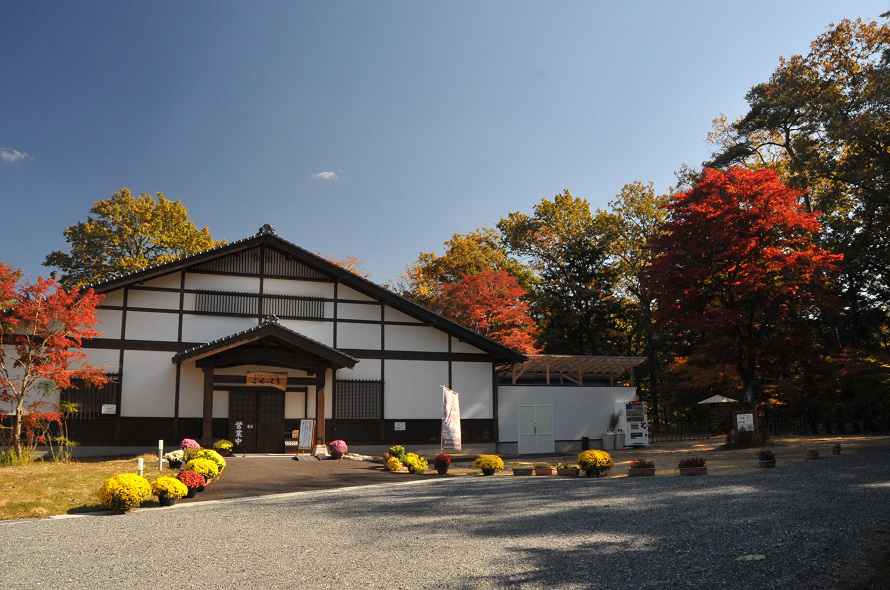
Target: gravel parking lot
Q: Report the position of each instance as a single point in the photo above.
(813, 523)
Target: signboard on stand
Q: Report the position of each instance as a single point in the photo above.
(451, 436)
(744, 422)
(307, 433)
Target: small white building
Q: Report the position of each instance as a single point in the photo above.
(265, 333)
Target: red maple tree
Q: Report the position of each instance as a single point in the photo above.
(737, 274)
(490, 302)
(42, 327)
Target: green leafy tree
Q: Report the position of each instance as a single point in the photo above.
(126, 233)
(465, 255)
(574, 300)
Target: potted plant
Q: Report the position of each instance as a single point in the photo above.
(767, 458)
(212, 455)
(641, 468)
(518, 469)
(175, 458)
(836, 449)
(393, 464)
(567, 470)
(204, 467)
(337, 448)
(441, 462)
(543, 468)
(193, 481)
(692, 466)
(124, 492)
(415, 463)
(168, 490)
(397, 451)
(813, 454)
(223, 447)
(489, 464)
(189, 443)
(595, 463)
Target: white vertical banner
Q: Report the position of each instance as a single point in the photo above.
(451, 420)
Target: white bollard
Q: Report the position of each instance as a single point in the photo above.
(160, 454)
(140, 465)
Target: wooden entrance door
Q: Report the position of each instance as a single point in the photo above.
(257, 419)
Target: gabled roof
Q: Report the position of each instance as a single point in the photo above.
(269, 329)
(574, 368)
(267, 236)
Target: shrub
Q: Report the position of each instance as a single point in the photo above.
(766, 455)
(692, 462)
(642, 464)
(178, 455)
(489, 462)
(397, 451)
(595, 463)
(393, 464)
(204, 467)
(415, 463)
(223, 445)
(338, 448)
(191, 453)
(442, 460)
(212, 456)
(169, 487)
(189, 443)
(124, 492)
(191, 479)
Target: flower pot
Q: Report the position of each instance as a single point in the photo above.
(487, 471)
(523, 471)
(693, 470)
(175, 464)
(442, 470)
(223, 453)
(640, 471)
(593, 472)
(543, 470)
(166, 501)
(199, 489)
(192, 493)
(812, 455)
(207, 481)
(767, 463)
(568, 471)
(836, 450)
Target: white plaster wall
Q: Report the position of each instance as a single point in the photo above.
(358, 336)
(302, 288)
(413, 389)
(364, 369)
(358, 311)
(191, 391)
(113, 298)
(156, 299)
(473, 382)
(577, 411)
(423, 338)
(148, 384)
(168, 281)
(344, 292)
(294, 404)
(321, 331)
(109, 322)
(222, 283)
(204, 328)
(106, 359)
(458, 346)
(145, 325)
(220, 404)
(394, 315)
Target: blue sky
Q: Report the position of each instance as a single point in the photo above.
(371, 129)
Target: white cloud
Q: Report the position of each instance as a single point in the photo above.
(12, 156)
(326, 175)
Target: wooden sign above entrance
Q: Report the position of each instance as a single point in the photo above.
(277, 380)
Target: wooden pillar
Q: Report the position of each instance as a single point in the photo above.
(207, 439)
(319, 406)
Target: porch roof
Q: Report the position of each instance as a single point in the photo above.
(574, 368)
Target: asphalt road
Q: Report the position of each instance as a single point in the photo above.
(813, 523)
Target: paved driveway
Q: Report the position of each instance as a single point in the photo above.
(811, 523)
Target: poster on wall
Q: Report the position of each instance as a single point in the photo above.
(745, 422)
(451, 439)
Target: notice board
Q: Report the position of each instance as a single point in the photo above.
(307, 433)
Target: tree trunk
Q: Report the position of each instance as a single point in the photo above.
(17, 428)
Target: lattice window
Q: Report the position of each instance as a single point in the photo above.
(251, 262)
(283, 306)
(358, 400)
(91, 397)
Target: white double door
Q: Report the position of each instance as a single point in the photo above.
(535, 429)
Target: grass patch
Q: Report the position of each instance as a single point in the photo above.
(40, 489)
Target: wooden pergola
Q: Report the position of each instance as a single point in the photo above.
(574, 368)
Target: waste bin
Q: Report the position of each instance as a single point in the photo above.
(619, 440)
(609, 441)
